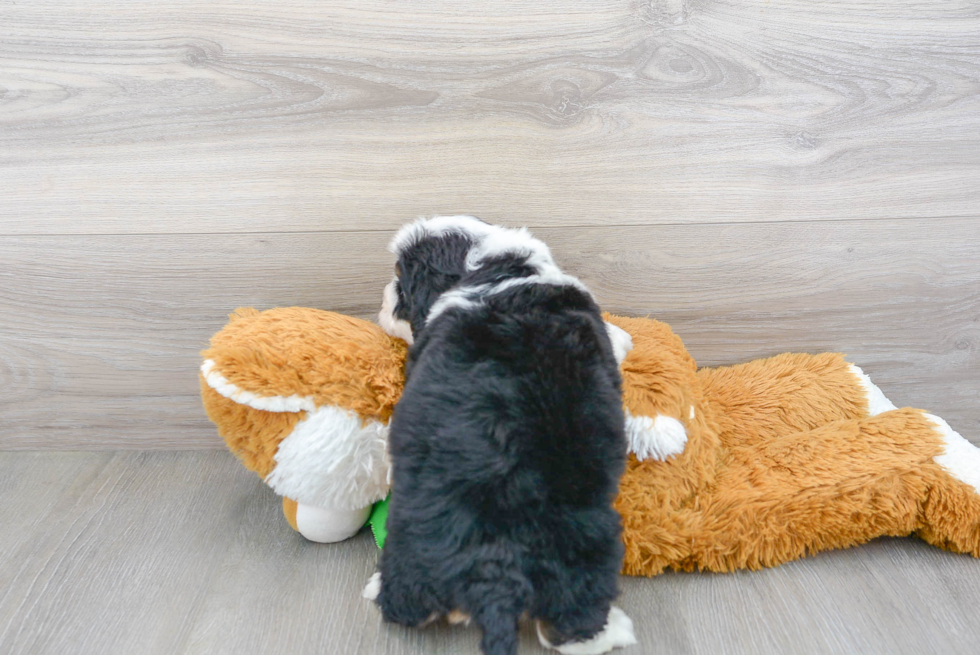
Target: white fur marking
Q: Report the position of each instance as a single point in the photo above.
(617, 633)
(621, 340)
(327, 526)
(333, 459)
(464, 298)
(396, 327)
(556, 278)
(471, 297)
(691, 417)
(501, 241)
(489, 240)
(960, 458)
(373, 587)
(438, 226)
(877, 403)
(658, 438)
(218, 382)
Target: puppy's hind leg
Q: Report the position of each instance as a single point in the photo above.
(610, 630)
(399, 603)
(574, 606)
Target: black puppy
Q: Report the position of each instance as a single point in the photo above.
(507, 444)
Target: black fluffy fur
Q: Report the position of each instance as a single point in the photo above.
(507, 447)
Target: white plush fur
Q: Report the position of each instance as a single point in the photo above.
(877, 403)
(325, 525)
(333, 459)
(373, 587)
(621, 340)
(617, 633)
(470, 297)
(396, 327)
(219, 383)
(658, 438)
(960, 458)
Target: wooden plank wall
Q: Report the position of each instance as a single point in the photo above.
(764, 176)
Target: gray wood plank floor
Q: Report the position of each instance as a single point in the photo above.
(187, 552)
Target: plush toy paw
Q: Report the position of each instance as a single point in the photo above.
(323, 524)
(658, 439)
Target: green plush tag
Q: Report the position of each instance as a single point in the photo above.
(377, 521)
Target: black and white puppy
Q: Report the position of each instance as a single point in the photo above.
(507, 445)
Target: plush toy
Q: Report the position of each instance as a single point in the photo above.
(303, 398)
(735, 467)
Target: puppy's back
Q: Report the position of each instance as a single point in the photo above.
(508, 444)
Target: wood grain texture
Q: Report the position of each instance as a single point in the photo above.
(289, 116)
(187, 553)
(99, 336)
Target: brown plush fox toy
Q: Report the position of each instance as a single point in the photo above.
(735, 467)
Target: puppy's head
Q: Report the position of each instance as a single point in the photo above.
(432, 255)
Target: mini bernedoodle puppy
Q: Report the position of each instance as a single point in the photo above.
(507, 444)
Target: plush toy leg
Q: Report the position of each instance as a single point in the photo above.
(322, 524)
(789, 393)
(784, 394)
(898, 473)
(952, 510)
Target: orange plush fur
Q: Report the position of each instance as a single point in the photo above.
(782, 457)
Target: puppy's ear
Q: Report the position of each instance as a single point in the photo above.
(429, 268)
(391, 317)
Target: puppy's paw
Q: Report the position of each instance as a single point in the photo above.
(373, 587)
(618, 633)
